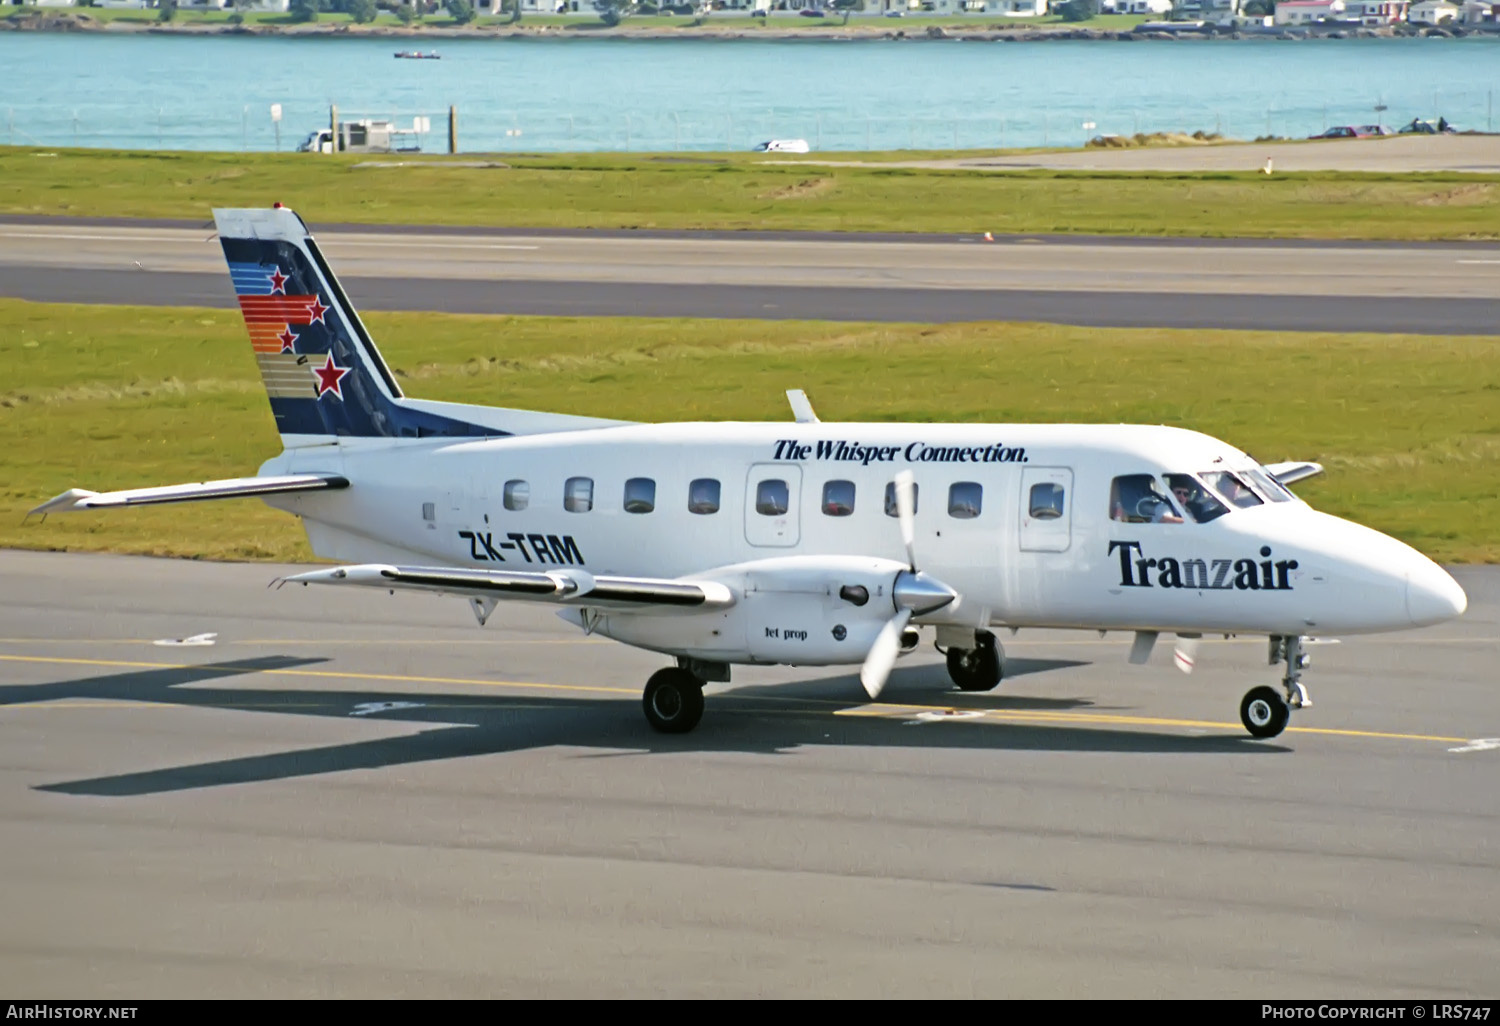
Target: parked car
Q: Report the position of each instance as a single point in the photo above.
(808, 12)
(1420, 127)
(1374, 130)
(783, 146)
(1340, 132)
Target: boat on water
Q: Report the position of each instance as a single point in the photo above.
(418, 55)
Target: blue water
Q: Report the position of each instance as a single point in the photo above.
(538, 95)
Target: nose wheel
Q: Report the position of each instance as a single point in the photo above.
(1265, 713)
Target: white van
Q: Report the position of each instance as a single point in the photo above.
(783, 146)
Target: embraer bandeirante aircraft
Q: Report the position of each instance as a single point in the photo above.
(801, 543)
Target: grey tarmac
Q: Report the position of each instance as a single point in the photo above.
(211, 788)
(1334, 286)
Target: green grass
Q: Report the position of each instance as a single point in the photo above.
(745, 191)
(111, 397)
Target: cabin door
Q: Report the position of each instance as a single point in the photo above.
(773, 493)
(1046, 509)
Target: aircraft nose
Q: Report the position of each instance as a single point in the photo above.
(1432, 596)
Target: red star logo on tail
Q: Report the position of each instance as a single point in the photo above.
(329, 375)
(316, 311)
(278, 282)
(286, 338)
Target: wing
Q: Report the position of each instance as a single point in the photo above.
(75, 499)
(1289, 473)
(569, 587)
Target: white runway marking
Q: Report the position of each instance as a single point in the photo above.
(196, 639)
(1480, 744)
(369, 708)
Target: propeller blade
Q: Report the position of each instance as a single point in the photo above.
(883, 654)
(1185, 655)
(906, 513)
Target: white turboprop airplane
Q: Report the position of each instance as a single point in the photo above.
(788, 543)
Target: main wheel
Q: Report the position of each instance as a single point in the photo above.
(978, 668)
(1263, 712)
(673, 700)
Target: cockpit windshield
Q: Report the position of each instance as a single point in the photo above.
(1268, 486)
(1234, 490)
(1197, 501)
(1194, 498)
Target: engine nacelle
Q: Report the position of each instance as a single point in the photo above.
(792, 610)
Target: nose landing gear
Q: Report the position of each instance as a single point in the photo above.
(1265, 713)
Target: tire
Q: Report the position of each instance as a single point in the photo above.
(1263, 712)
(673, 700)
(978, 668)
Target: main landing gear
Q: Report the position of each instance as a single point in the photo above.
(979, 668)
(673, 700)
(1265, 713)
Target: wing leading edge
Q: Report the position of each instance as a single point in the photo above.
(76, 499)
(571, 586)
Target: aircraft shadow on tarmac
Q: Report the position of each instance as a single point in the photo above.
(456, 726)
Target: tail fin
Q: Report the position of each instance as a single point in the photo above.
(322, 372)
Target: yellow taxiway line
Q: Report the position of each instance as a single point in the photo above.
(926, 713)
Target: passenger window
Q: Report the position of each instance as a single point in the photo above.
(838, 498)
(640, 495)
(771, 498)
(1046, 501)
(965, 499)
(1138, 499)
(517, 494)
(1195, 500)
(890, 500)
(703, 496)
(578, 495)
(1232, 488)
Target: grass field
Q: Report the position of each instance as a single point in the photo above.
(743, 191)
(110, 397)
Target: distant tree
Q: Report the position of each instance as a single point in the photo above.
(1078, 10)
(1258, 8)
(461, 11)
(304, 10)
(362, 11)
(848, 6)
(406, 14)
(167, 10)
(612, 12)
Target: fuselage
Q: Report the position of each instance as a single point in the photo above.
(1033, 525)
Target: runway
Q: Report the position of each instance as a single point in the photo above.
(209, 788)
(1394, 287)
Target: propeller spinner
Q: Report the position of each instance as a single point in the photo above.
(914, 593)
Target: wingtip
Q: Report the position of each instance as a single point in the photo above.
(63, 502)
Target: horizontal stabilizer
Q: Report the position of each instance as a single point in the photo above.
(75, 499)
(571, 586)
(1289, 473)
